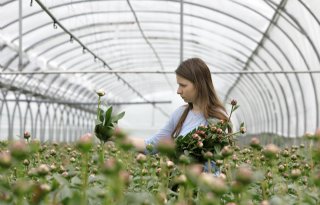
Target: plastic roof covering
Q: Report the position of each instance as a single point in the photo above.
(230, 35)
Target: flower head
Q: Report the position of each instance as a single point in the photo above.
(85, 143)
(234, 102)
(100, 92)
(141, 158)
(243, 130)
(244, 175)
(271, 150)
(255, 143)
(19, 150)
(26, 135)
(5, 159)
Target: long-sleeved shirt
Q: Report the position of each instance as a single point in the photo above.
(192, 121)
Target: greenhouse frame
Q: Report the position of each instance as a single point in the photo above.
(56, 54)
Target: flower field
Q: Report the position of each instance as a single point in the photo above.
(114, 173)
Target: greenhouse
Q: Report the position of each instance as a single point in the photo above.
(85, 87)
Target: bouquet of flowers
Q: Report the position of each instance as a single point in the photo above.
(205, 142)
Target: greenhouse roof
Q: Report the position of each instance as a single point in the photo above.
(264, 53)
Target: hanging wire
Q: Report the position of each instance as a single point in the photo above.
(56, 22)
(31, 2)
(83, 50)
(71, 39)
(55, 25)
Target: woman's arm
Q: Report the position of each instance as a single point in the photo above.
(141, 143)
(138, 143)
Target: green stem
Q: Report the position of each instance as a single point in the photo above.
(101, 155)
(230, 113)
(85, 170)
(141, 177)
(98, 111)
(20, 200)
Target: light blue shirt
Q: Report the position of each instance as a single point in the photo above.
(192, 121)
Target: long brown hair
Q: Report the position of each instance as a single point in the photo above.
(196, 71)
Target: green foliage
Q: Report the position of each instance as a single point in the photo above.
(152, 181)
(106, 122)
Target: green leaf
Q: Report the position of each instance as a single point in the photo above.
(117, 117)
(76, 181)
(217, 148)
(98, 122)
(60, 179)
(235, 107)
(64, 193)
(107, 119)
(242, 124)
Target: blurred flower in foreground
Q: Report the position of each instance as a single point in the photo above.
(26, 135)
(111, 166)
(255, 143)
(5, 159)
(271, 150)
(85, 142)
(19, 150)
(216, 185)
(244, 175)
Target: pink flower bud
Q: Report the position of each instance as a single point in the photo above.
(5, 159)
(170, 164)
(226, 151)
(65, 174)
(85, 143)
(26, 162)
(255, 143)
(141, 158)
(19, 150)
(199, 144)
(213, 129)
(208, 155)
(195, 136)
(43, 170)
(295, 173)
(181, 179)
(271, 150)
(281, 168)
(265, 202)
(219, 131)
(111, 166)
(125, 177)
(234, 102)
(244, 175)
(26, 135)
(217, 185)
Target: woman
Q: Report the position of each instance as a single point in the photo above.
(196, 89)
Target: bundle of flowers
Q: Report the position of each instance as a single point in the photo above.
(206, 142)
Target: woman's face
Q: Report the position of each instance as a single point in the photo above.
(186, 89)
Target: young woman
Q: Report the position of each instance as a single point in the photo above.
(196, 88)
